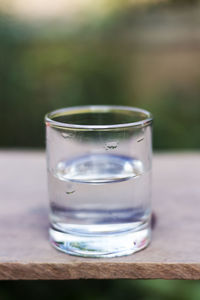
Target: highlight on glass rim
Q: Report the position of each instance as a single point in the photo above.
(100, 149)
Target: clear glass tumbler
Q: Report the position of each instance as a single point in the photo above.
(99, 179)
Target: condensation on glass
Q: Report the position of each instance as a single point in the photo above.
(99, 179)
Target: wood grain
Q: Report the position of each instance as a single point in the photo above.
(25, 252)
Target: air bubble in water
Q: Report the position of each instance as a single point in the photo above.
(70, 189)
(111, 145)
(66, 135)
(70, 192)
(140, 140)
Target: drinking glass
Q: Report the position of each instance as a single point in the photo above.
(99, 179)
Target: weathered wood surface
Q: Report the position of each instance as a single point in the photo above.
(25, 252)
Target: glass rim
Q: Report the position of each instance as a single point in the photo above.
(147, 120)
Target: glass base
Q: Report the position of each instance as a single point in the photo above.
(108, 245)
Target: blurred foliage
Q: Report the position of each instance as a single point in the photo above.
(45, 66)
(102, 290)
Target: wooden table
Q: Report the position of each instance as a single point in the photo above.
(25, 252)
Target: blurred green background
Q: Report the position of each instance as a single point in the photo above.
(101, 290)
(138, 53)
(122, 52)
